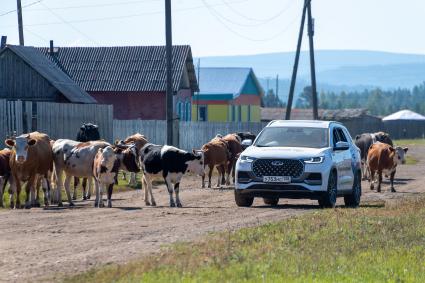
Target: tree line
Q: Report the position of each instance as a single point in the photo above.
(377, 101)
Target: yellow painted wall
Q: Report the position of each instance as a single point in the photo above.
(244, 109)
(217, 113)
(194, 112)
(255, 113)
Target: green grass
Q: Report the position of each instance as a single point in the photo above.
(407, 142)
(410, 160)
(370, 244)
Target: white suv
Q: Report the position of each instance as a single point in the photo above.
(300, 159)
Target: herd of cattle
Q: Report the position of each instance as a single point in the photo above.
(41, 162)
(379, 156)
(52, 164)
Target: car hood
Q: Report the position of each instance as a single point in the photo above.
(283, 152)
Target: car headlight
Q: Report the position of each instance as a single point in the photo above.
(314, 160)
(247, 159)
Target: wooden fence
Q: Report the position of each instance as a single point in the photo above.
(58, 120)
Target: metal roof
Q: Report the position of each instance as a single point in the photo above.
(35, 59)
(130, 68)
(223, 80)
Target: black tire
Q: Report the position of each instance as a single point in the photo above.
(271, 201)
(243, 201)
(328, 199)
(353, 199)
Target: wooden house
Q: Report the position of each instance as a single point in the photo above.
(227, 94)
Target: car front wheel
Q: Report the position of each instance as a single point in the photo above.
(243, 201)
(353, 199)
(328, 199)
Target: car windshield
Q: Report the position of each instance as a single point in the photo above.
(293, 137)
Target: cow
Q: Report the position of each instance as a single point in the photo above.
(31, 159)
(106, 164)
(216, 154)
(171, 163)
(384, 158)
(235, 148)
(139, 141)
(88, 132)
(4, 171)
(75, 160)
(245, 136)
(364, 141)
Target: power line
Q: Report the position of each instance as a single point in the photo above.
(217, 16)
(24, 6)
(262, 21)
(96, 6)
(69, 24)
(35, 34)
(120, 17)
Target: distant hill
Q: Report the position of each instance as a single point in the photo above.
(336, 69)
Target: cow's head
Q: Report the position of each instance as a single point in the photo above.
(20, 145)
(88, 132)
(400, 155)
(195, 163)
(129, 155)
(107, 159)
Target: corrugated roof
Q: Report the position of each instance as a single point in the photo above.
(130, 68)
(52, 73)
(223, 80)
(404, 115)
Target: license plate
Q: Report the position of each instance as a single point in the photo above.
(276, 179)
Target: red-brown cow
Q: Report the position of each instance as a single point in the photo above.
(384, 158)
(139, 141)
(235, 148)
(216, 154)
(4, 171)
(31, 158)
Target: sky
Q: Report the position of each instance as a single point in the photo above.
(220, 27)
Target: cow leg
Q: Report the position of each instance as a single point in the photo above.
(392, 181)
(132, 181)
(176, 191)
(220, 174)
(233, 170)
(147, 180)
(170, 190)
(68, 193)
(30, 188)
(211, 167)
(226, 168)
(223, 170)
(100, 198)
(37, 187)
(96, 191)
(372, 179)
(89, 191)
(378, 189)
(13, 191)
(203, 179)
(110, 188)
(146, 189)
(124, 176)
(76, 183)
(59, 186)
(46, 191)
(3, 181)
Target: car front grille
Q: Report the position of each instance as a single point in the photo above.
(278, 167)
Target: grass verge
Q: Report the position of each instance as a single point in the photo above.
(369, 244)
(407, 142)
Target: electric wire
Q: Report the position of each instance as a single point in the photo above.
(24, 6)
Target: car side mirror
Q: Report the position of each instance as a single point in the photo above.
(247, 143)
(341, 145)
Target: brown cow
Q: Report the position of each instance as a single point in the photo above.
(384, 158)
(139, 141)
(4, 171)
(235, 148)
(216, 153)
(31, 158)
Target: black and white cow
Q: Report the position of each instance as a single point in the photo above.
(171, 163)
(364, 141)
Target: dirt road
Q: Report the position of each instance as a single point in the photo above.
(39, 243)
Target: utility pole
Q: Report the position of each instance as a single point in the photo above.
(20, 24)
(199, 87)
(307, 6)
(169, 73)
(312, 63)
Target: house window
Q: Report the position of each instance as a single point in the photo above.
(249, 113)
(188, 112)
(179, 110)
(202, 113)
(239, 113)
(233, 113)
